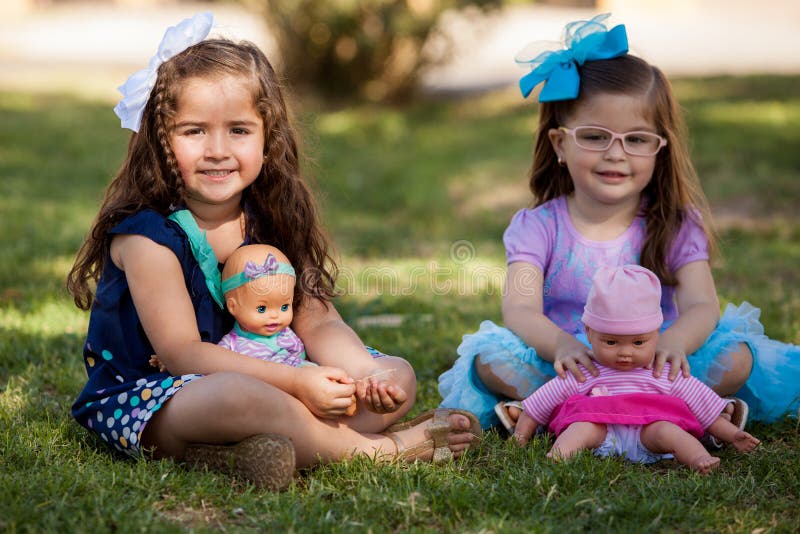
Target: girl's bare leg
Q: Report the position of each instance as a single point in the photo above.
(507, 377)
(229, 407)
(737, 375)
(663, 437)
(577, 437)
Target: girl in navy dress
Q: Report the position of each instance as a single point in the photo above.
(212, 164)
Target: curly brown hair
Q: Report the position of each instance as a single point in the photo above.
(673, 194)
(280, 208)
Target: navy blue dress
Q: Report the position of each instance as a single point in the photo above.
(123, 390)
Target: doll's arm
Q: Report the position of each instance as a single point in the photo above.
(155, 362)
(165, 309)
(698, 309)
(523, 314)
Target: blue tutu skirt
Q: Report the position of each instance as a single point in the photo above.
(771, 391)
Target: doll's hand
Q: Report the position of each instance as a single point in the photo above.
(525, 428)
(326, 391)
(567, 358)
(677, 360)
(377, 394)
(155, 362)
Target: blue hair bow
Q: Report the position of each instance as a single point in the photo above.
(584, 40)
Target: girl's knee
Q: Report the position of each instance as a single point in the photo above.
(403, 370)
(506, 375)
(742, 361)
(735, 377)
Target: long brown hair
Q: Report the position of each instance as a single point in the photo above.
(280, 208)
(673, 194)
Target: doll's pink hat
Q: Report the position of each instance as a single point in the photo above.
(624, 301)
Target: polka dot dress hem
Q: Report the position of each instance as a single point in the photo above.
(120, 419)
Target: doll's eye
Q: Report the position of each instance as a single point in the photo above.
(638, 343)
(261, 309)
(611, 342)
(285, 307)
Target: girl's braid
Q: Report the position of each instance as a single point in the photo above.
(162, 110)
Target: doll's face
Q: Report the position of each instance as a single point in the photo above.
(263, 306)
(623, 353)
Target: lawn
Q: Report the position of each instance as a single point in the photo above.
(417, 199)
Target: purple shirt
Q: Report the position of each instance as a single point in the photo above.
(545, 237)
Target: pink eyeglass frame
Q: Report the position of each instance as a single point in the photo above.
(614, 136)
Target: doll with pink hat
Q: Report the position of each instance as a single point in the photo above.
(625, 410)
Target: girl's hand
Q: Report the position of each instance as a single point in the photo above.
(327, 391)
(525, 428)
(377, 394)
(567, 358)
(677, 360)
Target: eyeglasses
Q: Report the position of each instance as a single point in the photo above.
(600, 139)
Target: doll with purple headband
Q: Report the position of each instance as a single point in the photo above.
(258, 283)
(624, 410)
(613, 184)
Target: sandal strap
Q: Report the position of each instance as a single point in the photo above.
(437, 431)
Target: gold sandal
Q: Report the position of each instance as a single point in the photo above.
(437, 433)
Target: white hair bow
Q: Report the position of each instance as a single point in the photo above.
(136, 89)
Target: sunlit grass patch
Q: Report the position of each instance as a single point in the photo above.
(417, 199)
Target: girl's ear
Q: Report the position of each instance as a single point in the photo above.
(557, 137)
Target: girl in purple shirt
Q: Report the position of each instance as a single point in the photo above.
(613, 184)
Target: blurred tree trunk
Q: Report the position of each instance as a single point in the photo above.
(356, 48)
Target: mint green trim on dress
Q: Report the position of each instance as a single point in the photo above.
(202, 252)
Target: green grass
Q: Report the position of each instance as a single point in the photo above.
(417, 199)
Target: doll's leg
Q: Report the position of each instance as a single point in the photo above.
(577, 437)
(229, 407)
(663, 437)
(735, 377)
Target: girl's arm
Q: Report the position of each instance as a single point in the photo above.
(698, 309)
(523, 314)
(165, 309)
(329, 340)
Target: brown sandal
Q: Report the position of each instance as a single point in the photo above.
(266, 460)
(437, 433)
